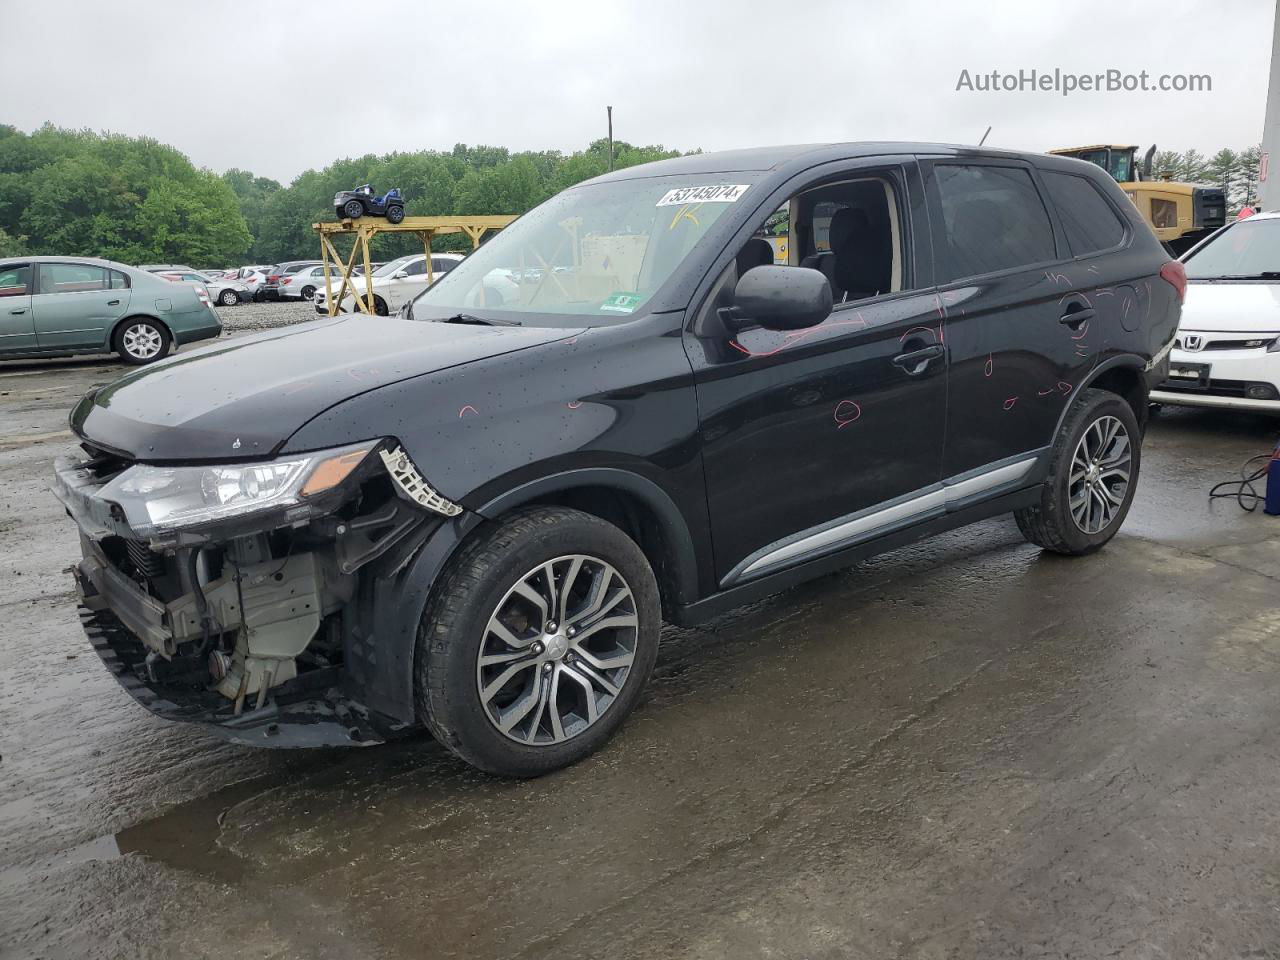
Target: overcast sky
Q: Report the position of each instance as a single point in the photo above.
(278, 88)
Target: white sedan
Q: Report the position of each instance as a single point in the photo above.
(394, 283)
(224, 292)
(1227, 351)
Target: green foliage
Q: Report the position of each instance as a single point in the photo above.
(132, 199)
(12, 246)
(1235, 171)
(465, 180)
(137, 200)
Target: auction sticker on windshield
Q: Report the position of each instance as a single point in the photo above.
(718, 193)
(621, 302)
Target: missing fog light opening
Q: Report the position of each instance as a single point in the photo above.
(408, 479)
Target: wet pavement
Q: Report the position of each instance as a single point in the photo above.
(965, 748)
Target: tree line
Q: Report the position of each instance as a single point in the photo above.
(1236, 171)
(134, 199)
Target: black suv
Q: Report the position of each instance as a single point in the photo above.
(661, 393)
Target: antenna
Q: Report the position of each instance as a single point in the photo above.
(984, 137)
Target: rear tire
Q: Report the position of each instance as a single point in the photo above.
(1093, 473)
(140, 341)
(395, 213)
(529, 695)
(308, 293)
(228, 298)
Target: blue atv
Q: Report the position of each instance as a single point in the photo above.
(361, 202)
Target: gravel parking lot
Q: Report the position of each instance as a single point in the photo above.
(265, 316)
(965, 748)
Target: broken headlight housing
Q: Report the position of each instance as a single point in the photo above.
(157, 499)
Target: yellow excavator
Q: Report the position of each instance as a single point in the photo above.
(1181, 214)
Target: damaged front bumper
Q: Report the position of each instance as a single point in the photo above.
(244, 626)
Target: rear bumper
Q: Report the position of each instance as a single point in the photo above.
(197, 325)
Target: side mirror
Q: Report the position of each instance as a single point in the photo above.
(781, 298)
(400, 275)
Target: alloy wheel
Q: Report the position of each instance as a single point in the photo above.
(558, 650)
(228, 298)
(1100, 475)
(142, 341)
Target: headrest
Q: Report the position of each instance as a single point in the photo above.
(756, 253)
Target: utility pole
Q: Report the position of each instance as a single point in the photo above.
(1268, 194)
(609, 111)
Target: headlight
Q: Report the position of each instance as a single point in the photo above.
(1274, 346)
(159, 499)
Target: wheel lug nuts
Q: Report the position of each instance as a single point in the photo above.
(551, 627)
(538, 648)
(570, 632)
(546, 667)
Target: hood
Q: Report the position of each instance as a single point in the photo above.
(1232, 306)
(243, 399)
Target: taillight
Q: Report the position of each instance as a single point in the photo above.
(1176, 274)
(287, 280)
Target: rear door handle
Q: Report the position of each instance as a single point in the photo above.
(113, 303)
(1073, 318)
(917, 361)
(16, 312)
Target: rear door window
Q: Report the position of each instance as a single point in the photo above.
(119, 281)
(1089, 221)
(71, 278)
(992, 219)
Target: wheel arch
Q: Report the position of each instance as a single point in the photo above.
(1123, 376)
(634, 504)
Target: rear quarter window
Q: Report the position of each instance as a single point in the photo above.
(992, 219)
(1089, 221)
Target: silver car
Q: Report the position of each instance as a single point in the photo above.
(226, 293)
(304, 284)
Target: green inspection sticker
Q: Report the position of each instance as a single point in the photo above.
(621, 302)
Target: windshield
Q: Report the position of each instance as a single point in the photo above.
(594, 250)
(1248, 248)
(1118, 163)
(389, 268)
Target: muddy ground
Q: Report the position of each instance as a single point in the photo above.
(966, 748)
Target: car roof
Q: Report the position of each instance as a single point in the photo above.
(761, 159)
(89, 261)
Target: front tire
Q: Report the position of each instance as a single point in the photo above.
(353, 209)
(1093, 473)
(537, 641)
(140, 341)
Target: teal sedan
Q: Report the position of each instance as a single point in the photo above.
(59, 306)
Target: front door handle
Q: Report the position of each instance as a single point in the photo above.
(16, 312)
(917, 361)
(1074, 317)
(113, 303)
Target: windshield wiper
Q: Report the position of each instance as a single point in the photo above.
(480, 321)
